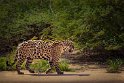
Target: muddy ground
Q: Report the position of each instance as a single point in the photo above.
(87, 76)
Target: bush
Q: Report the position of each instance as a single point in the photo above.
(40, 66)
(2, 63)
(114, 65)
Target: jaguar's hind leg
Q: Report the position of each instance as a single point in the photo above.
(28, 63)
(18, 66)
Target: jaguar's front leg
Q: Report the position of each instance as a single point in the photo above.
(58, 69)
(51, 67)
(28, 63)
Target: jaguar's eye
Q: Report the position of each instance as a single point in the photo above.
(70, 50)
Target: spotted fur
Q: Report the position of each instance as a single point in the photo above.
(38, 49)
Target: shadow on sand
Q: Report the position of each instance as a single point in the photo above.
(58, 75)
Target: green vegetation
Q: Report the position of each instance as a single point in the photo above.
(90, 23)
(114, 65)
(40, 66)
(10, 57)
(64, 66)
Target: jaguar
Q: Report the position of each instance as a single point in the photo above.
(39, 49)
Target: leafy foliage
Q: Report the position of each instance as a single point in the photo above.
(90, 23)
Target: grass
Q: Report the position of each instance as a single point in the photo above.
(114, 65)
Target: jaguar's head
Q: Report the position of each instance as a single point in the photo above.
(67, 46)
